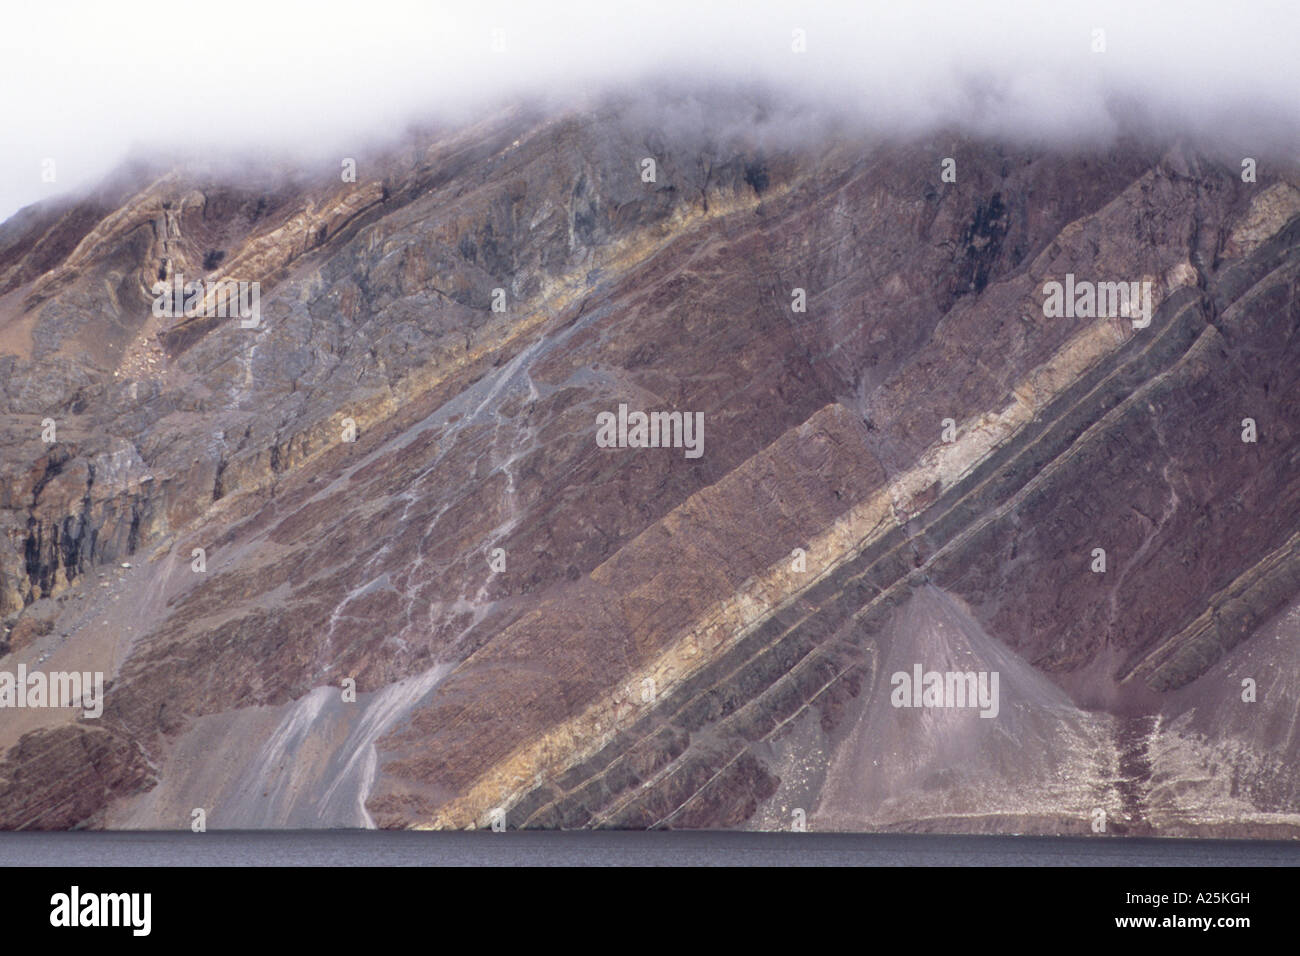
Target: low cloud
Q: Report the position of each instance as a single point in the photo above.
(88, 84)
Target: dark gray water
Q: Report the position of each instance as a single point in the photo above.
(606, 848)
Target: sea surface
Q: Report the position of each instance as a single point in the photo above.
(618, 848)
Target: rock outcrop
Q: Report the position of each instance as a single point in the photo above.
(393, 481)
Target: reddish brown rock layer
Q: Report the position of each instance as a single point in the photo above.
(327, 559)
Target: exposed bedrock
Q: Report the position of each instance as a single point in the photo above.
(918, 469)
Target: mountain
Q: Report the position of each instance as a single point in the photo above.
(909, 414)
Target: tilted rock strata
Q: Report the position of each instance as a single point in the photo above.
(650, 651)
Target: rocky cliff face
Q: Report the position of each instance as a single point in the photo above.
(394, 479)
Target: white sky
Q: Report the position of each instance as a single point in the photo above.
(84, 83)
